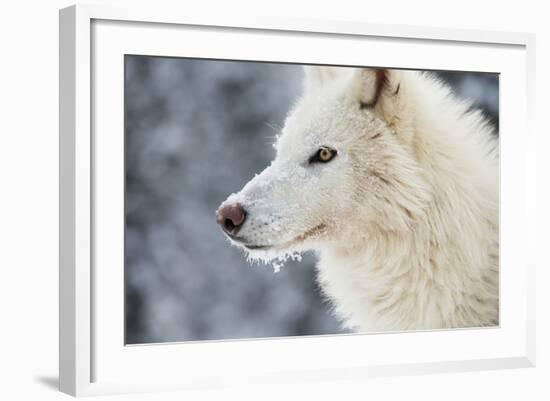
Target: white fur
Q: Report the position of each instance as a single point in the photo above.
(404, 218)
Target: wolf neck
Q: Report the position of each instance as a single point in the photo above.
(379, 282)
(414, 280)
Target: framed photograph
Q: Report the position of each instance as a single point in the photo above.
(271, 201)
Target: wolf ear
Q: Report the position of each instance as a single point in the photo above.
(316, 76)
(374, 86)
(384, 92)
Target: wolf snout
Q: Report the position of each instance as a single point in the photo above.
(231, 218)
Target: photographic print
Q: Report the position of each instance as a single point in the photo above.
(277, 199)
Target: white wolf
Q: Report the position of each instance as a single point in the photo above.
(394, 183)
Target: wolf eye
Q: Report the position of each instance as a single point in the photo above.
(323, 155)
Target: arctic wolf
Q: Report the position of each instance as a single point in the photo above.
(393, 182)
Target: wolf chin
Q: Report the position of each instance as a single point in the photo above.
(393, 182)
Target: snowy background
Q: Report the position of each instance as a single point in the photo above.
(197, 130)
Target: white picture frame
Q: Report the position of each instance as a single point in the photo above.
(93, 357)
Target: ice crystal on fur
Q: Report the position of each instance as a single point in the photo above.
(276, 259)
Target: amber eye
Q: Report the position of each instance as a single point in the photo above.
(323, 155)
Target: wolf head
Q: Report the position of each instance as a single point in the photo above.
(344, 159)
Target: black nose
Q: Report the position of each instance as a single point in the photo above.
(231, 218)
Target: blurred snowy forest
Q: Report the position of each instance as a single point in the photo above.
(196, 131)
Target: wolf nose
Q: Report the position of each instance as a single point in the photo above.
(231, 218)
